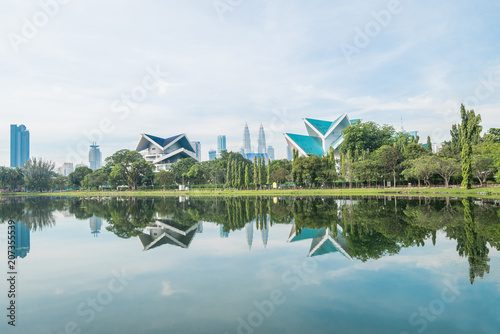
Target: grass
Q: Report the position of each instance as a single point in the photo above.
(487, 192)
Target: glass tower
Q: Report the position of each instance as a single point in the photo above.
(247, 146)
(95, 156)
(221, 144)
(19, 145)
(262, 140)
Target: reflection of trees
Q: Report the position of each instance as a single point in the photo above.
(36, 213)
(128, 218)
(472, 245)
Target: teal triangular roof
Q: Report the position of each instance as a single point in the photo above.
(305, 233)
(310, 145)
(321, 126)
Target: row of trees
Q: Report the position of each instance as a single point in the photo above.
(372, 153)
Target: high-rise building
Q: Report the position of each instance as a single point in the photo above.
(270, 152)
(66, 169)
(95, 156)
(19, 145)
(261, 143)
(197, 149)
(247, 146)
(212, 154)
(221, 144)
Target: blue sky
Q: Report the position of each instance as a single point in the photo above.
(274, 62)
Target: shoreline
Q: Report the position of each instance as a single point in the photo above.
(485, 192)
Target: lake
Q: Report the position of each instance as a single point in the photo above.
(252, 265)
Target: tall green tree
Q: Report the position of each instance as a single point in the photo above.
(429, 144)
(38, 174)
(247, 176)
(469, 131)
(129, 166)
(77, 176)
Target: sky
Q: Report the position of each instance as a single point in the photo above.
(75, 72)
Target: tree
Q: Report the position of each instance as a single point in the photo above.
(268, 173)
(422, 169)
(446, 168)
(483, 167)
(98, 178)
(247, 176)
(389, 158)
(469, 132)
(429, 144)
(130, 167)
(181, 167)
(60, 182)
(11, 178)
(367, 136)
(38, 174)
(255, 172)
(164, 178)
(78, 175)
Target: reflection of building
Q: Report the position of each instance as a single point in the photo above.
(323, 241)
(222, 233)
(168, 232)
(22, 240)
(95, 225)
(265, 233)
(163, 152)
(95, 156)
(321, 136)
(19, 145)
(249, 234)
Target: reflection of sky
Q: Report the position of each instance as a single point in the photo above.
(205, 288)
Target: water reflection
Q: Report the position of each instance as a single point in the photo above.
(356, 228)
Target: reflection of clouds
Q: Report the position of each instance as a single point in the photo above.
(167, 289)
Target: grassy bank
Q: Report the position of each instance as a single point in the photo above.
(490, 192)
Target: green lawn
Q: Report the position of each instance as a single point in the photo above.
(489, 192)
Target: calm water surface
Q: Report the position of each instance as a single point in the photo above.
(277, 265)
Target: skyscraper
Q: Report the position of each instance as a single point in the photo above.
(247, 146)
(261, 147)
(221, 144)
(95, 156)
(212, 154)
(270, 152)
(197, 149)
(19, 145)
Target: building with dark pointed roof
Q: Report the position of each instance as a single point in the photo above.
(163, 152)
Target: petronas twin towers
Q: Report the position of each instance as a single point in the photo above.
(261, 143)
